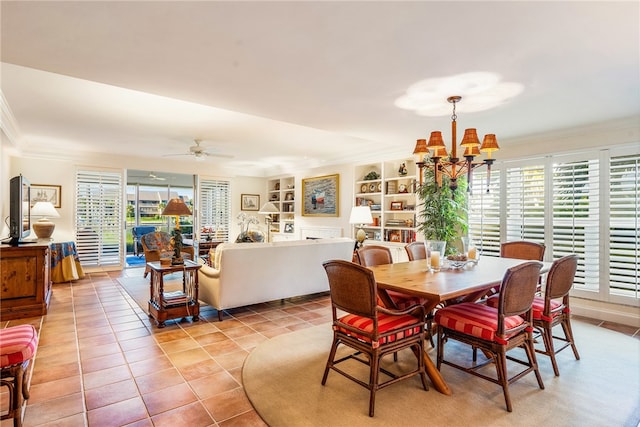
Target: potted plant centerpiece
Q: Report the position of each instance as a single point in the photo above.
(443, 212)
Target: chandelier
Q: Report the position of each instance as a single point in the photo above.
(449, 164)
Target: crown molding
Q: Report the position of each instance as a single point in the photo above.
(9, 125)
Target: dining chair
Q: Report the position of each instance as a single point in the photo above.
(552, 309)
(416, 250)
(522, 249)
(370, 329)
(496, 331)
(371, 255)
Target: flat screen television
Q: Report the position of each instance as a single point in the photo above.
(19, 209)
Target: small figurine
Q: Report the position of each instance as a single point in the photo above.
(403, 169)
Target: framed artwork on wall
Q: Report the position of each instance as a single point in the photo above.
(320, 196)
(249, 202)
(46, 193)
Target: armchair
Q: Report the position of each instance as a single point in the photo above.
(137, 233)
(157, 245)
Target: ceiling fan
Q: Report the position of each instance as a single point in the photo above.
(199, 152)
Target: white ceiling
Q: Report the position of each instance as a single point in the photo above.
(282, 85)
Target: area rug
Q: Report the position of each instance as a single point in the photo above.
(138, 287)
(282, 377)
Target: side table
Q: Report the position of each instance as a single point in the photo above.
(171, 305)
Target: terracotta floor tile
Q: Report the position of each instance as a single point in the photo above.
(52, 373)
(168, 398)
(232, 360)
(214, 384)
(137, 343)
(102, 362)
(132, 333)
(228, 404)
(170, 335)
(200, 369)
(248, 342)
(55, 389)
(111, 393)
(159, 380)
(192, 415)
(51, 410)
(103, 339)
(239, 332)
(118, 414)
(178, 345)
(90, 352)
(189, 357)
(211, 338)
(106, 376)
(150, 352)
(248, 419)
(148, 366)
(222, 347)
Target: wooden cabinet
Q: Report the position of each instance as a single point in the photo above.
(281, 192)
(26, 283)
(389, 190)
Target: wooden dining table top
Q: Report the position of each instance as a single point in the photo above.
(413, 278)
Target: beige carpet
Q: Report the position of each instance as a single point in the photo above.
(282, 379)
(138, 287)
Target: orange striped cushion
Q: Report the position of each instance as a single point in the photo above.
(17, 344)
(386, 323)
(477, 320)
(538, 305)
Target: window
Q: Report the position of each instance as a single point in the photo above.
(215, 209)
(586, 203)
(484, 212)
(624, 223)
(99, 217)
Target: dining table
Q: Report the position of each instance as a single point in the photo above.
(464, 284)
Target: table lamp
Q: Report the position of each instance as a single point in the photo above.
(43, 227)
(177, 208)
(268, 209)
(360, 215)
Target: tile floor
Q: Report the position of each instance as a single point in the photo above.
(101, 362)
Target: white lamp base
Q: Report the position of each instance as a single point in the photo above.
(43, 228)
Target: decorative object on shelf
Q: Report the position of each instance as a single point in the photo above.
(364, 188)
(379, 187)
(320, 196)
(46, 193)
(288, 228)
(177, 208)
(448, 164)
(43, 227)
(402, 188)
(246, 235)
(371, 176)
(268, 209)
(288, 197)
(402, 170)
(396, 206)
(251, 202)
(372, 188)
(392, 187)
(360, 216)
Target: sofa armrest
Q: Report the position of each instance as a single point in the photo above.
(210, 272)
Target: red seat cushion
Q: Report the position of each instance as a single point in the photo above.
(17, 344)
(538, 306)
(386, 323)
(477, 320)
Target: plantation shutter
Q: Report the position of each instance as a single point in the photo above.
(99, 217)
(215, 208)
(484, 212)
(624, 223)
(525, 203)
(576, 204)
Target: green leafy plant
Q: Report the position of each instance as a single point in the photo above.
(443, 212)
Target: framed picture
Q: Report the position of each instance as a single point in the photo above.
(46, 193)
(288, 228)
(249, 202)
(320, 196)
(396, 206)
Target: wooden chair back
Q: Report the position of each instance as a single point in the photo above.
(416, 250)
(522, 249)
(371, 255)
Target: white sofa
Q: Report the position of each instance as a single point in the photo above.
(250, 273)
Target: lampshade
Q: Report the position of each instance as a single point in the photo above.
(421, 150)
(435, 140)
(43, 227)
(45, 210)
(489, 143)
(470, 138)
(268, 208)
(176, 206)
(472, 151)
(360, 215)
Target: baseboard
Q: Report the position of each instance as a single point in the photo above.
(604, 311)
